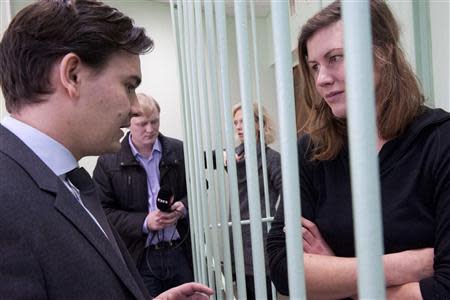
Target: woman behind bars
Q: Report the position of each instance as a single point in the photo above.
(414, 161)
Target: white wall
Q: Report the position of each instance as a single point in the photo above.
(440, 36)
(303, 11)
(403, 12)
(5, 17)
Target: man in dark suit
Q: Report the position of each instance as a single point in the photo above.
(69, 70)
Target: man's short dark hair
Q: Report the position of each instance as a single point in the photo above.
(45, 31)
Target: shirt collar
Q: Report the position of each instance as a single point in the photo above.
(57, 157)
(156, 147)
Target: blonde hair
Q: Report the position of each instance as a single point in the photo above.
(269, 134)
(398, 97)
(147, 103)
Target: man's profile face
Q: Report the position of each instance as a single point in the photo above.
(145, 129)
(107, 100)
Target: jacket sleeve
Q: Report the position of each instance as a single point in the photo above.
(438, 286)
(128, 224)
(182, 180)
(276, 252)
(276, 240)
(21, 275)
(274, 172)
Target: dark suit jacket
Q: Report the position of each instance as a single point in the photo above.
(50, 247)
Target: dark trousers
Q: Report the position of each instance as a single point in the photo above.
(250, 287)
(164, 269)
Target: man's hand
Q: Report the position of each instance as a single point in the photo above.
(313, 242)
(157, 220)
(191, 291)
(179, 208)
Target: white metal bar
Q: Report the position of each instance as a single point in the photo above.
(220, 180)
(222, 43)
(177, 17)
(288, 138)
(259, 269)
(363, 156)
(203, 110)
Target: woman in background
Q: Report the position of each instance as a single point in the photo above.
(414, 156)
(273, 181)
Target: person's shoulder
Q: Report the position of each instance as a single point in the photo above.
(443, 127)
(170, 141)
(272, 153)
(16, 185)
(429, 121)
(271, 150)
(10, 168)
(272, 156)
(431, 117)
(442, 117)
(109, 161)
(108, 158)
(6, 164)
(172, 149)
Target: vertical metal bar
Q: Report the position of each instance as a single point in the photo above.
(288, 138)
(199, 249)
(194, 180)
(363, 157)
(262, 139)
(259, 272)
(199, 155)
(204, 114)
(198, 174)
(212, 63)
(176, 10)
(422, 46)
(222, 43)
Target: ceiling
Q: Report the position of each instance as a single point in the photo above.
(262, 7)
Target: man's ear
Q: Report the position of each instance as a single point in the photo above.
(69, 74)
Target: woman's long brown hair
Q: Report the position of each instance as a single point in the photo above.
(398, 96)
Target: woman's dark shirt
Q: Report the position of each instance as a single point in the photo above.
(415, 190)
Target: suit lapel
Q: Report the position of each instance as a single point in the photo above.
(66, 204)
(131, 264)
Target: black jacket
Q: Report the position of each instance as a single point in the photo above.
(273, 165)
(415, 198)
(123, 191)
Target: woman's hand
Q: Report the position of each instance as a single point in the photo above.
(313, 242)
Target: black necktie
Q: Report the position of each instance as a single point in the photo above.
(81, 179)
